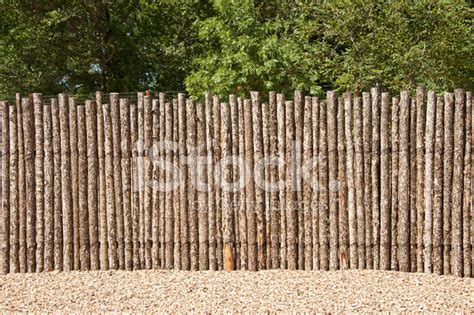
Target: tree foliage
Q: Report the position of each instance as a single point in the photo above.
(231, 46)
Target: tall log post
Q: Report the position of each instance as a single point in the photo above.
(39, 179)
(266, 184)
(316, 185)
(420, 176)
(413, 189)
(385, 193)
(218, 192)
(324, 223)
(202, 192)
(242, 202)
(169, 213)
(359, 182)
(158, 176)
(192, 196)
(342, 191)
(48, 189)
(57, 202)
(136, 192)
(307, 188)
(176, 192)
(375, 171)
(281, 132)
(234, 111)
(185, 185)
(5, 247)
(21, 185)
(13, 190)
(141, 171)
(299, 110)
(394, 182)
(159, 209)
(291, 196)
(438, 188)
(467, 198)
(75, 185)
(367, 147)
(148, 176)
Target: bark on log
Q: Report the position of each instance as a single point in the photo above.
(74, 177)
(141, 172)
(158, 177)
(266, 149)
(307, 189)
(281, 131)
(183, 197)
(420, 176)
(148, 165)
(342, 188)
(192, 196)
(14, 193)
(324, 188)
(413, 188)
(48, 189)
(367, 147)
(394, 182)
(242, 203)
(375, 170)
(159, 132)
(21, 186)
(202, 192)
(136, 192)
(467, 198)
(385, 193)
(176, 192)
(217, 158)
(169, 214)
(291, 196)
(299, 110)
(359, 181)
(5, 247)
(39, 179)
(438, 189)
(234, 111)
(316, 186)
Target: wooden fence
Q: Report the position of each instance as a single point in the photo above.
(355, 181)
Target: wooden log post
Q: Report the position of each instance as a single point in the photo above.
(141, 172)
(359, 182)
(192, 195)
(367, 147)
(458, 172)
(13, 189)
(211, 193)
(324, 223)
(351, 201)
(316, 185)
(375, 171)
(48, 189)
(159, 124)
(298, 151)
(281, 133)
(29, 136)
(39, 179)
(183, 197)
(202, 192)
(266, 184)
(5, 247)
(104, 256)
(74, 177)
(413, 189)
(57, 202)
(110, 188)
(21, 186)
(242, 201)
(343, 252)
(385, 193)
(438, 188)
(126, 184)
(259, 191)
(274, 198)
(218, 192)
(82, 181)
(92, 183)
(448, 179)
(394, 182)
(420, 176)
(148, 194)
(157, 193)
(234, 111)
(250, 187)
(333, 181)
(291, 196)
(176, 192)
(467, 197)
(136, 192)
(227, 213)
(428, 184)
(403, 253)
(307, 188)
(169, 213)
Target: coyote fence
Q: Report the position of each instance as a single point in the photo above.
(365, 181)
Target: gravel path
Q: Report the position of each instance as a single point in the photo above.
(275, 291)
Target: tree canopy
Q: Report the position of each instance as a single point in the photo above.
(231, 46)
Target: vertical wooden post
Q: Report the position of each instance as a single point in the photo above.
(266, 184)
(13, 189)
(428, 187)
(202, 192)
(74, 185)
(185, 187)
(227, 215)
(159, 124)
(126, 185)
(438, 189)
(157, 193)
(367, 147)
(394, 182)
(57, 202)
(316, 186)
(298, 100)
(342, 178)
(82, 189)
(176, 192)
(403, 253)
(259, 192)
(104, 260)
(448, 179)
(467, 198)
(458, 172)
(351, 200)
(413, 188)
(5, 247)
(48, 189)
(211, 194)
(324, 188)
(235, 177)
(291, 197)
(136, 175)
(29, 134)
(148, 195)
(307, 189)
(385, 193)
(250, 187)
(281, 132)
(242, 203)
(359, 182)
(21, 185)
(332, 184)
(141, 172)
(117, 154)
(92, 182)
(217, 157)
(274, 199)
(420, 167)
(39, 179)
(375, 171)
(169, 224)
(192, 196)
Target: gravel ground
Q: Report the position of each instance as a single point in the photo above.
(240, 291)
